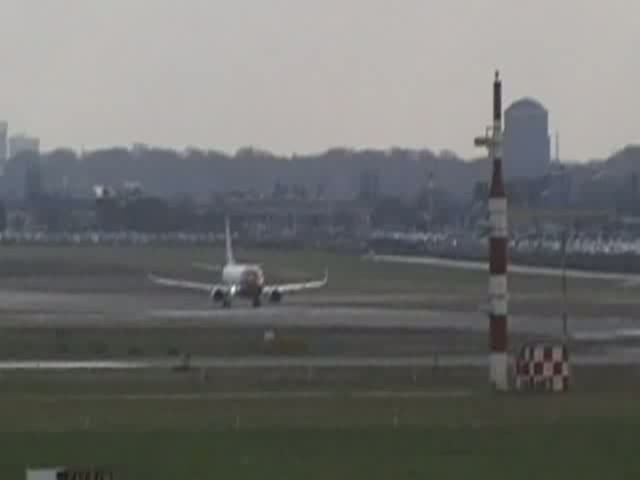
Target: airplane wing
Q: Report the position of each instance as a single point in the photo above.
(631, 283)
(184, 284)
(296, 287)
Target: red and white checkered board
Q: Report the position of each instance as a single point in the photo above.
(543, 365)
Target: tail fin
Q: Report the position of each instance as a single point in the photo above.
(227, 235)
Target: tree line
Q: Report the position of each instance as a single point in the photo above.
(403, 187)
(334, 174)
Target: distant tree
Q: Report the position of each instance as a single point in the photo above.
(280, 191)
(213, 220)
(60, 171)
(3, 216)
(343, 173)
(33, 181)
(184, 216)
(109, 214)
(392, 212)
(17, 223)
(300, 192)
(480, 192)
(147, 214)
(437, 206)
(369, 186)
(634, 208)
(344, 220)
(51, 214)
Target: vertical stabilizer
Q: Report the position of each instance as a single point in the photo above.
(227, 236)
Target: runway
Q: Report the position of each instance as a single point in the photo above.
(627, 279)
(381, 318)
(33, 309)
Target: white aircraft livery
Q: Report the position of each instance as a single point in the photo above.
(239, 280)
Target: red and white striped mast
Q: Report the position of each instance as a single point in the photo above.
(498, 360)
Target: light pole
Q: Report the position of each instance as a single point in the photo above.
(498, 246)
(565, 313)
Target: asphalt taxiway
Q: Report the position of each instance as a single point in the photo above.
(25, 308)
(626, 279)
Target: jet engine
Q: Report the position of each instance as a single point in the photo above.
(217, 295)
(275, 296)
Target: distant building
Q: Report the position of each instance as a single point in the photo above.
(4, 127)
(23, 143)
(139, 148)
(558, 191)
(103, 191)
(527, 146)
(132, 188)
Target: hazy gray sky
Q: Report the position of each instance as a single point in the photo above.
(302, 75)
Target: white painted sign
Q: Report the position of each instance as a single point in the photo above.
(43, 474)
(63, 473)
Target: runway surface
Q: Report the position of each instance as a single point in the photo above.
(28, 309)
(626, 279)
(581, 328)
(376, 318)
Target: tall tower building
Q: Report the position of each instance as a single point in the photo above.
(527, 146)
(22, 143)
(4, 154)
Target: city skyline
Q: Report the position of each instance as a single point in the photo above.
(300, 77)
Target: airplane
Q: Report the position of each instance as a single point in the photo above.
(239, 280)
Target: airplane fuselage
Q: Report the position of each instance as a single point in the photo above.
(243, 280)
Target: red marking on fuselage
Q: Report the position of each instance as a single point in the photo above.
(251, 283)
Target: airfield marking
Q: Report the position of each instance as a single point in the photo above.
(616, 356)
(302, 395)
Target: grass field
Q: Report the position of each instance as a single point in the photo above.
(139, 425)
(587, 437)
(557, 452)
(174, 341)
(612, 380)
